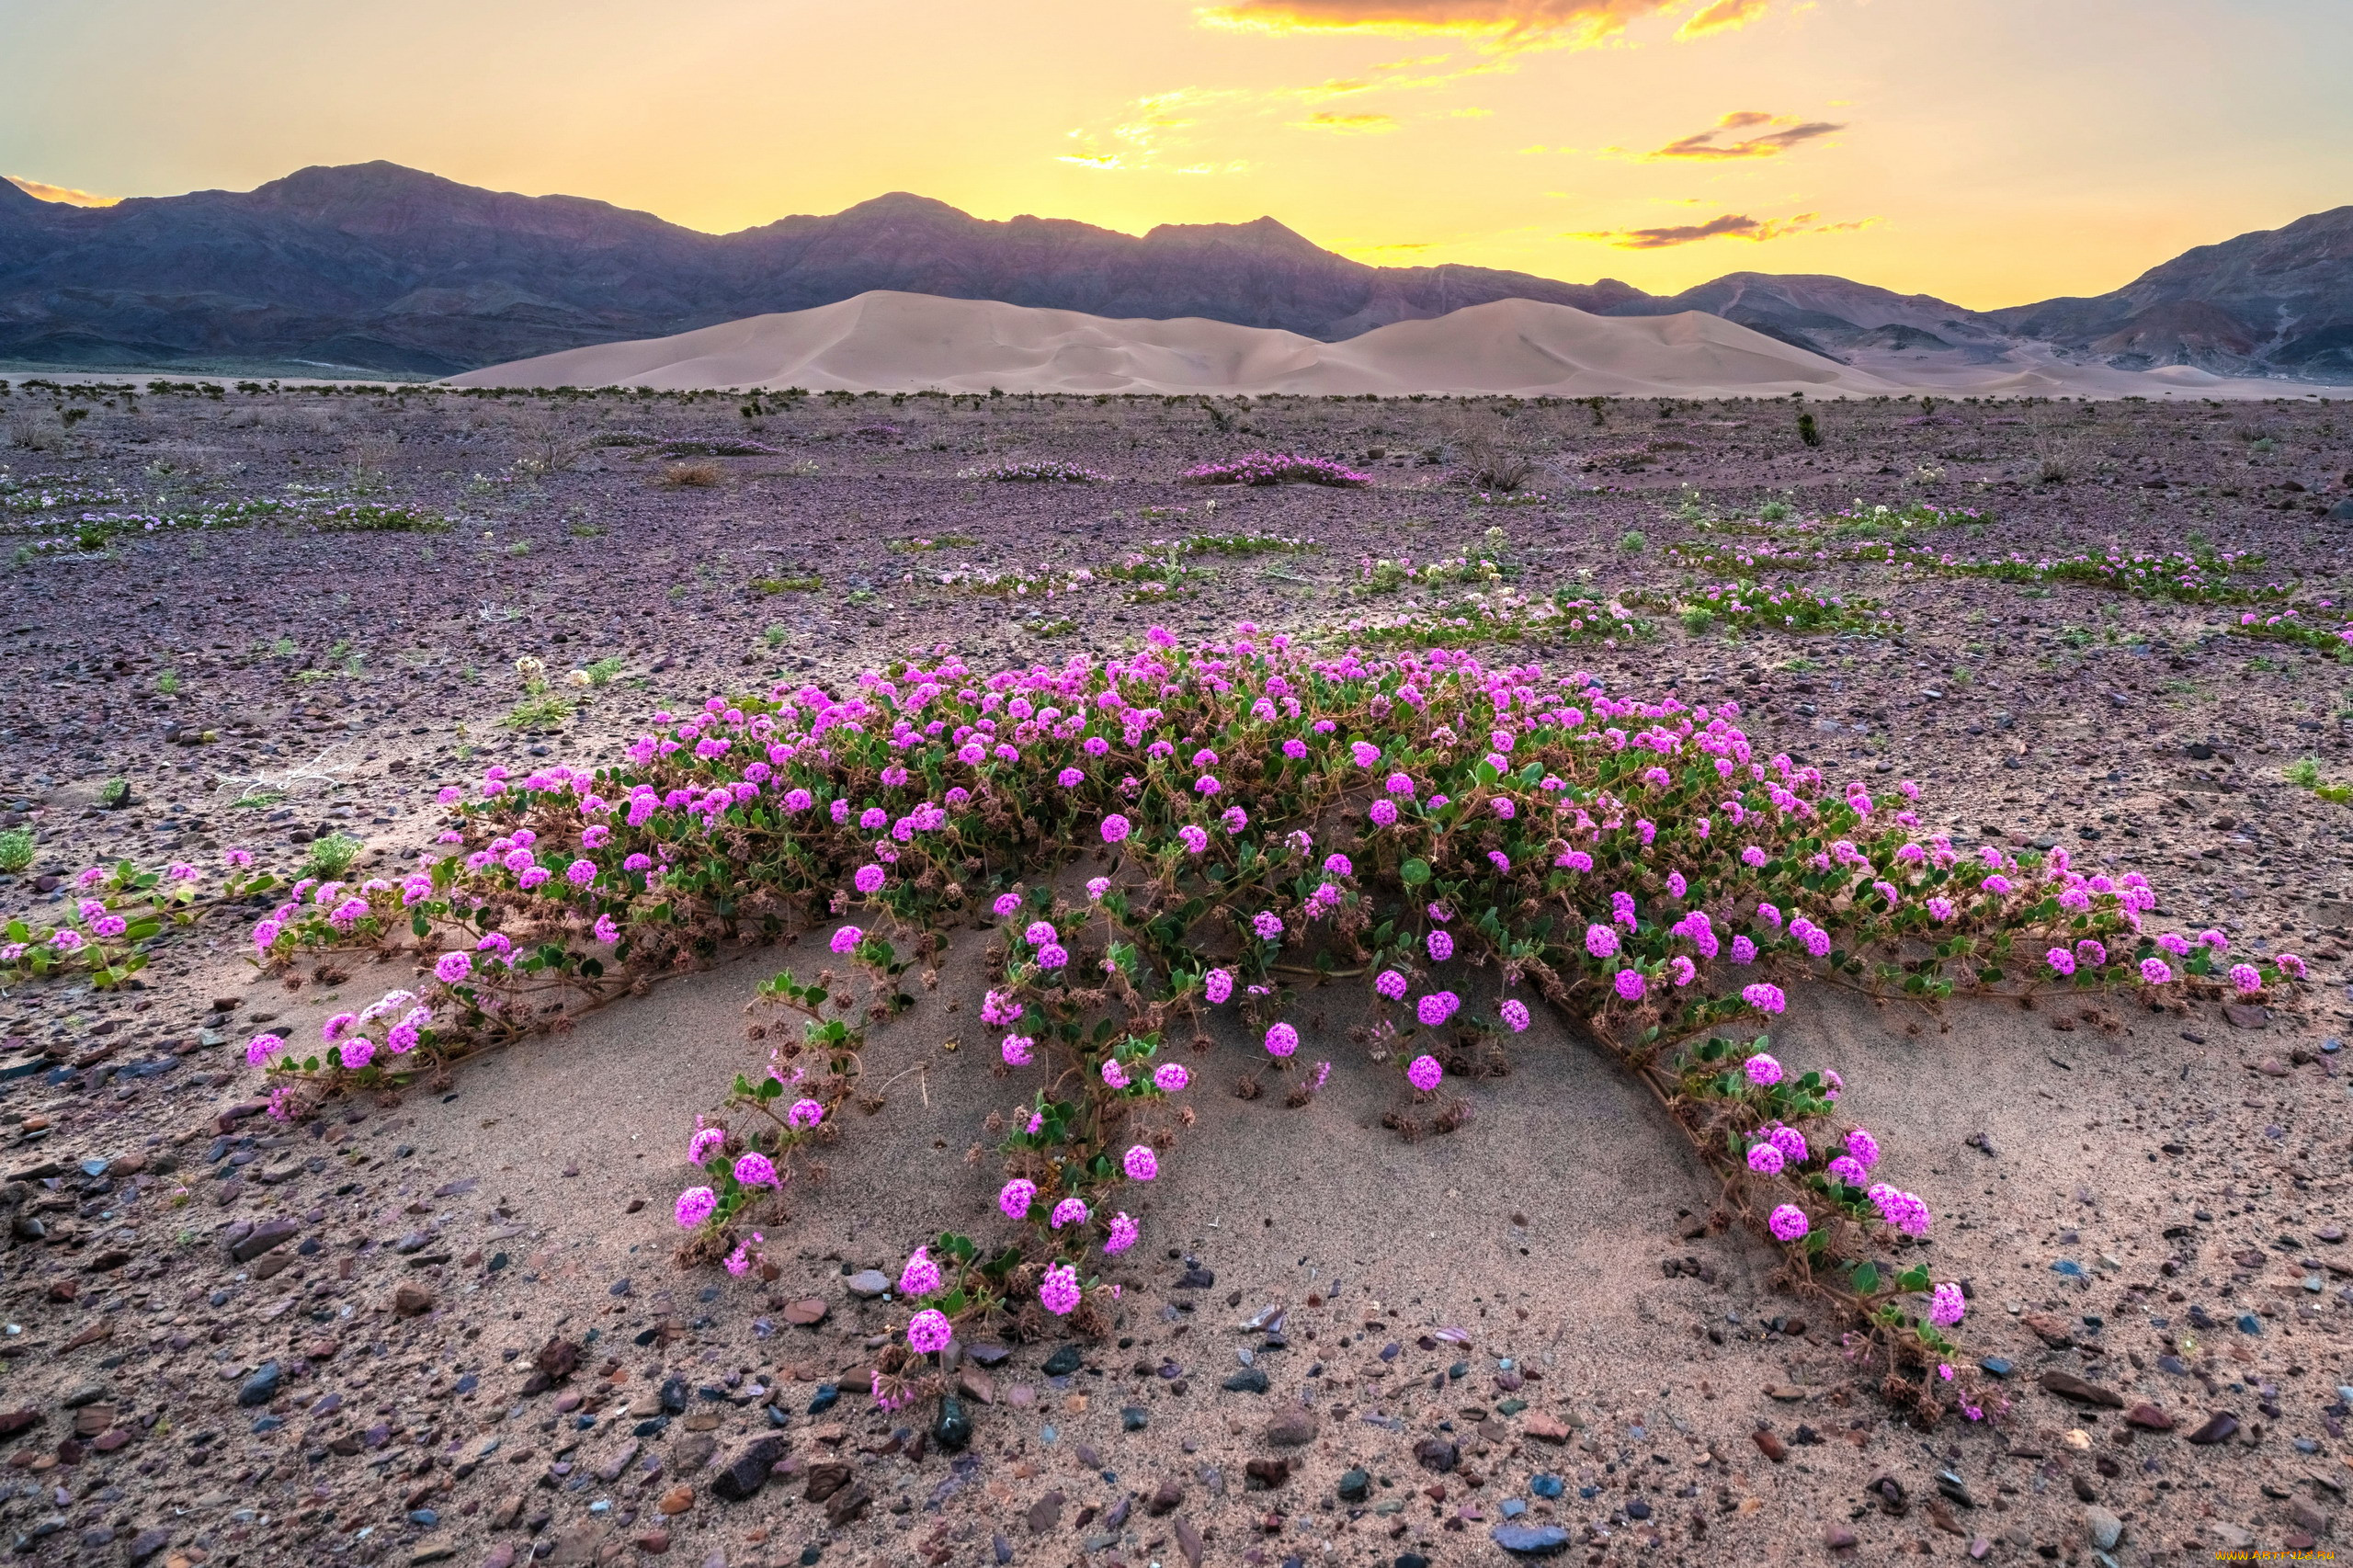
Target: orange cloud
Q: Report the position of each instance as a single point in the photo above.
(1721, 16)
(1361, 122)
(1792, 132)
(63, 194)
(1730, 226)
(1570, 22)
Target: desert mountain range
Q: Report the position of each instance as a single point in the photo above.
(377, 266)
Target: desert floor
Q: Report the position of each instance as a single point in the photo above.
(1529, 1320)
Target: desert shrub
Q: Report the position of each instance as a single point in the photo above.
(1747, 604)
(16, 849)
(1501, 615)
(1484, 460)
(2186, 577)
(703, 475)
(1046, 471)
(1274, 468)
(1467, 841)
(368, 517)
(1619, 459)
(720, 446)
(331, 857)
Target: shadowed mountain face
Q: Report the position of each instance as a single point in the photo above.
(1831, 317)
(383, 268)
(376, 266)
(2278, 301)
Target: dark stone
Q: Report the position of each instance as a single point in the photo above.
(262, 1386)
(1437, 1455)
(1065, 1361)
(1355, 1486)
(748, 1470)
(264, 1237)
(1046, 1512)
(953, 1429)
(2219, 1427)
(1165, 1499)
(2066, 1385)
(1249, 1380)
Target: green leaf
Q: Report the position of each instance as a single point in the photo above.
(1866, 1278)
(1913, 1278)
(1413, 873)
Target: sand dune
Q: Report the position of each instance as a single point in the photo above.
(884, 341)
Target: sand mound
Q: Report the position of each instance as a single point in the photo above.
(884, 341)
(891, 342)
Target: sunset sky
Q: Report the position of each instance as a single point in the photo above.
(1992, 152)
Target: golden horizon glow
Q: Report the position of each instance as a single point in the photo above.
(63, 194)
(1986, 152)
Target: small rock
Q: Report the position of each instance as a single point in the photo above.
(677, 1500)
(1530, 1541)
(1354, 1485)
(2219, 1427)
(2149, 1418)
(265, 1236)
(2066, 1385)
(412, 1300)
(1045, 1513)
(1266, 1473)
(953, 1428)
(1437, 1455)
(851, 1502)
(866, 1284)
(2105, 1528)
(748, 1470)
(1249, 1380)
(1770, 1444)
(1064, 1361)
(1293, 1427)
(652, 1543)
(262, 1386)
(808, 1311)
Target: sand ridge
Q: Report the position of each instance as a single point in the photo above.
(888, 341)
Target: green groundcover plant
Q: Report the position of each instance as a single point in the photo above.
(1189, 833)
